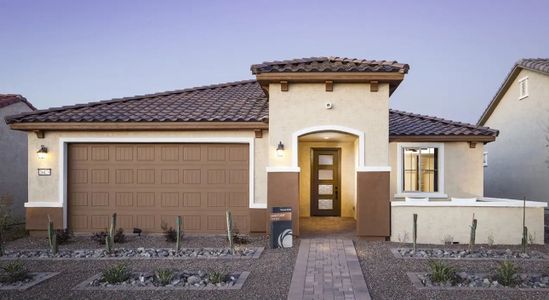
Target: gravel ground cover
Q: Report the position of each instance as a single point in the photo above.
(269, 278)
(387, 277)
(478, 253)
(31, 280)
(478, 281)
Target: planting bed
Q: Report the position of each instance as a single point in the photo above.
(478, 253)
(181, 280)
(32, 280)
(139, 253)
(465, 280)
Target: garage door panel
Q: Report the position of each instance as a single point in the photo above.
(146, 184)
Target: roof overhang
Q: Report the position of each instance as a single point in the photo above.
(442, 138)
(136, 126)
(392, 78)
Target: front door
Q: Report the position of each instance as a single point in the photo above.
(325, 182)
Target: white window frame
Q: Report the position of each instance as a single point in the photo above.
(485, 159)
(400, 186)
(523, 81)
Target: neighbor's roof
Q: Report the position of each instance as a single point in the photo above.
(9, 99)
(329, 64)
(241, 101)
(540, 65)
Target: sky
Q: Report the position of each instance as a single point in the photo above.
(59, 53)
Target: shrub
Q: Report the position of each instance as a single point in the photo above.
(99, 237)
(170, 233)
(506, 273)
(116, 274)
(490, 240)
(448, 239)
(217, 277)
(14, 271)
(163, 276)
(441, 272)
(63, 236)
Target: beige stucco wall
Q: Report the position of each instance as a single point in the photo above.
(46, 188)
(463, 169)
(348, 176)
(354, 106)
(518, 161)
(504, 224)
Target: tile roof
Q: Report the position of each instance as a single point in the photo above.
(242, 101)
(409, 124)
(535, 64)
(329, 64)
(9, 99)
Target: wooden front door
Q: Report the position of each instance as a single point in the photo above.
(325, 182)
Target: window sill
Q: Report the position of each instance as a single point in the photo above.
(422, 195)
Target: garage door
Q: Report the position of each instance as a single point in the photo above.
(148, 184)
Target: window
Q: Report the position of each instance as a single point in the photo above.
(523, 88)
(485, 159)
(420, 169)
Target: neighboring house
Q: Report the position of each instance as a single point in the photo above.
(13, 155)
(517, 163)
(313, 134)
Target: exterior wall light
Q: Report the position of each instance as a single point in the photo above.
(42, 152)
(280, 149)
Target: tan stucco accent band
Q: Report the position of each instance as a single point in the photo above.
(441, 138)
(283, 190)
(140, 126)
(373, 204)
(37, 218)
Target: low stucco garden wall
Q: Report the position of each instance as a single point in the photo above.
(435, 223)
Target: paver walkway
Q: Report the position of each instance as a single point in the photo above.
(327, 269)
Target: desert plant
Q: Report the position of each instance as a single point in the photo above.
(230, 230)
(163, 276)
(63, 236)
(100, 237)
(524, 240)
(448, 239)
(239, 238)
(216, 277)
(414, 233)
(169, 233)
(473, 234)
(403, 238)
(531, 238)
(109, 240)
(116, 274)
(52, 236)
(490, 240)
(506, 273)
(178, 233)
(441, 272)
(13, 272)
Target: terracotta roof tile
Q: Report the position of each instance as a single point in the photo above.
(9, 99)
(242, 101)
(329, 64)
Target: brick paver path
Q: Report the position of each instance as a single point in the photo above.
(327, 269)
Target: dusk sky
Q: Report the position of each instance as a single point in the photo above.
(66, 52)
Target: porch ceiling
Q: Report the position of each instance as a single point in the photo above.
(327, 136)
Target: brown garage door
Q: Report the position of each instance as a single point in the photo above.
(147, 184)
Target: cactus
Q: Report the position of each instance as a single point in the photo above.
(109, 239)
(415, 233)
(473, 234)
(230, 230)
(178, 232)
(524, 241)
(52, 236)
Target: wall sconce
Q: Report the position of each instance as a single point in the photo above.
(42, 152)
(280, 149)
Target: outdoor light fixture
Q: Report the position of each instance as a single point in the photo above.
(280, 149)
(42, 152)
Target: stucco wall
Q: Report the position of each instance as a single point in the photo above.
(348, 176)
(463, 170)
(46, 188)
(13, 160)
(304, 106)
(518, 161)
(504, 224)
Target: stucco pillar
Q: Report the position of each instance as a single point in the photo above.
(373, 207)
(283, 190)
